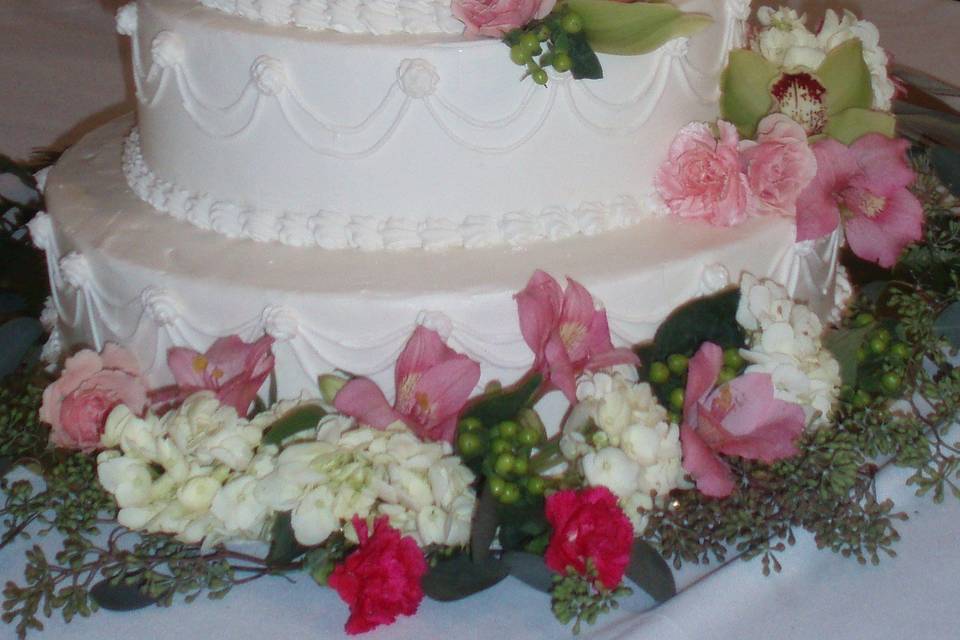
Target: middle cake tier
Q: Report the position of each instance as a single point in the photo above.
(351, 140)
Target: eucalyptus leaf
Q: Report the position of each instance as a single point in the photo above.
(635, 28)
(745, 85)
(946, 162)
(530, 569)
(458, 577)
(947, 325)
(707, 319)
(284, 547)
(850, 125)
(844, 345)
(301, 418)
(121, 596)
(649, 571)
(846, 78)
(17, 337)
(925, 81)
(930, 127)
(484, 527)
(585, 63)
(504, 404)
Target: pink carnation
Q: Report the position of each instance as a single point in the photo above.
(702, 178)
(76, 406)
(494, 18)
(779, 165)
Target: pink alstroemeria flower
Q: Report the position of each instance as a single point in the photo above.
(865, 186)
(433, 384)
(740, 418)
(566, 332)
(233, 369)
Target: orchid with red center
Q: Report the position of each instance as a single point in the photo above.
(381, 579)
(233, 369)
(740, 418)
(567, 333)
(800, 96)
(865, 186)
(433, 383)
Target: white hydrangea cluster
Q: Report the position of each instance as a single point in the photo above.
(786, 41)
(784, 340)
(201, 474)
(635, 451)
(192, 472)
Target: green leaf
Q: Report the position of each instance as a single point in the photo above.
(650, 572)
(484, 527)
(707, 319)
(636, 28)
(586, 64)
(846, 78)
(523, 526)
(458, 578)
(301, 418)
(284, 547)
(850, 125)
(121, 596)
(844, 344)
(17, 337)
(745, 86)
(946, 163)
(947, 325)
(504, 404)
(530, 569)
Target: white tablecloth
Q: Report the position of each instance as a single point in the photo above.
(63, 72)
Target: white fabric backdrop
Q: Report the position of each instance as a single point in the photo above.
(64, 71)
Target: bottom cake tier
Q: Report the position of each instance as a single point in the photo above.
(122, 272)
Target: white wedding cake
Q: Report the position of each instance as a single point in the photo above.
(334, 172)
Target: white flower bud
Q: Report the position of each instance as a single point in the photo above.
(197, 493)
(313, 520)
(611, 468)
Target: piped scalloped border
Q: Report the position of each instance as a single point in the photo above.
(330, 230)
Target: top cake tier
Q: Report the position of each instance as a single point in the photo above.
(319, 138)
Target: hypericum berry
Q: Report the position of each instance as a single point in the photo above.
(530, 43)
(726, 375)
(504, 464)
(674, 417)
(528, 437)
(659, 373)
(861, 399)
(862, 354)
(543, 33)
(519, 54)
(499, 446)
(878, 344)
(539, 76)
(900, 351)
(497, 485)
(470, 424)
(572, 23)
(508, 429)
(890, 382)
(676, 399)
(536, 485)
(677, 363)
(521, 466)
(469, 444)
(511, 493)
(863, 320)
(733, 359)
(562, 61)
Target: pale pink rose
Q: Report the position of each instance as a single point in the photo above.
(76, 406)
(779, 165)
(566, 331)
(494, 18)
(740, 418)
(233, 369)
(865, 186)
(702, 178)
(433, 383)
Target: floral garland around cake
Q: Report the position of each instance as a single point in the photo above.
(744, 419)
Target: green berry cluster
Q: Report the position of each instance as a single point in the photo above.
(669, 377)
(881, 361)
(504, 452)
(549, 39)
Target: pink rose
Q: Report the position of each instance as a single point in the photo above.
(779, 165)
(494, 18)
(702, 178)
(76, 406)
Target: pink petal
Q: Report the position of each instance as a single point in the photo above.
(883, 238)
(579, 310)
(229, 355)
(702, 372)
(749, 401)
(538, 307)
(817, 210)
(446, 389)
(882, 163)
(180, 361)
(166, 398)
(260, 359)
(239, 392)
(612, 358)
(559, 371)
(711, 474)
(423, 350)
(360, 398)
(116, 357)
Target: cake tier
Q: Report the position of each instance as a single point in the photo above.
(335, 140)
(122, 272)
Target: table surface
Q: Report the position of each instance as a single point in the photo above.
(65, 72)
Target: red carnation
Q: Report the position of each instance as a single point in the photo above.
(381, 579)
(589, 524)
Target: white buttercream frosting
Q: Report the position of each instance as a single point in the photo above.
(377, 17)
